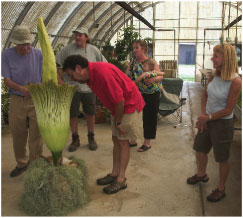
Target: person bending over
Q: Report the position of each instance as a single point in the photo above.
(121, 96)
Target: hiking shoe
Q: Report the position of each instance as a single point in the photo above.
(108, 179)
(195, 179)
(75, 143)
(18, 170)
(115, 187)
(216, 195)
(92, 142)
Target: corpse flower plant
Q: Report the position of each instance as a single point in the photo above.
(52, 101)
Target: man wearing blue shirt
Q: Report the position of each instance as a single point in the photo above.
(22, 64)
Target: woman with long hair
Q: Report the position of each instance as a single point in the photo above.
(215, 125)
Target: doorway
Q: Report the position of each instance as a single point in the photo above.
(187, 57)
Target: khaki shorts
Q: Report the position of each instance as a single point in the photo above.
(132, 124)
(219, 135)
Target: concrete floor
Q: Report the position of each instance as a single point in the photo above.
(156, 179)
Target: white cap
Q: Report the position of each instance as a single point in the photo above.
(81, 30)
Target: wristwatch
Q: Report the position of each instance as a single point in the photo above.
(117, 123)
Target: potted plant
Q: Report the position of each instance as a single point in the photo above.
(102, 113)
(120, 53)
(238, 107)
(5, 96)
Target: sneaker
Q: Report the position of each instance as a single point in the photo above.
(195, 179)
(18, 170)
(108, 179)
(92, 142)
(115, 187)
(75, 143)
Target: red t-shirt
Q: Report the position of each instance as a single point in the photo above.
(111, 86)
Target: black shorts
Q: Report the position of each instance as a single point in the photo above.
(88, 102)
(219, 135)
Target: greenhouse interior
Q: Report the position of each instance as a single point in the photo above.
(181, 38)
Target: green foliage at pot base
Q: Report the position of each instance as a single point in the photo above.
(54, 190)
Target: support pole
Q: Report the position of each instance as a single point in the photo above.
(179, 26)
(204, 37)
(154, 17)
(229, 18)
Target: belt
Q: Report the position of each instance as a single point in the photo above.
(21, 96)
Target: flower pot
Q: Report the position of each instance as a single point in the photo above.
(237, 112)
(100, 116)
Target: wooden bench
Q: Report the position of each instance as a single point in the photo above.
(169, 67)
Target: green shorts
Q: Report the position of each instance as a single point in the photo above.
(88, 102)
(219, 135)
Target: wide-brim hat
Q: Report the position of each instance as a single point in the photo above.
(21, 35)
(81, 30)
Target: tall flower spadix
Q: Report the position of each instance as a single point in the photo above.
(52, 101)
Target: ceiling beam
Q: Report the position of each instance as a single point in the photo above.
(87, 17)
(48, 18)
(233, 22)
(135, 14)
(60, 31)
(18, 22)
(233, 5)
(103, 14)
(114, 31)
(108, 21)
(117, 29)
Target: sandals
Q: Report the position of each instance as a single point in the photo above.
(115, 187)
(195, 179)
(133, 145)
(143, 148)
(216, 195)
(108, 179)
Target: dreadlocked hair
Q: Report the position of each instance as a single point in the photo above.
(230, 66)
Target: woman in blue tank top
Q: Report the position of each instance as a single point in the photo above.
(215, 125)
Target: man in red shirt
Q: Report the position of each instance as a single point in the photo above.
(121, 96)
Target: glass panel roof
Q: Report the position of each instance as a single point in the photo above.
(187, 20)
(104, 18)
